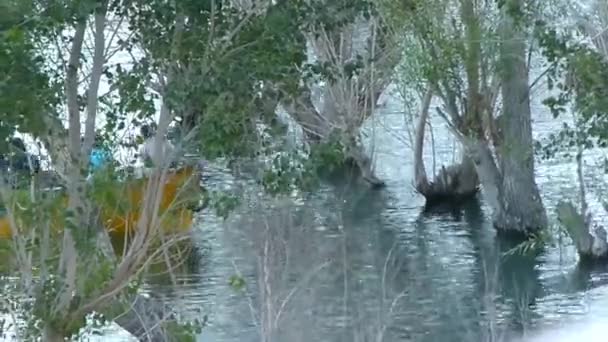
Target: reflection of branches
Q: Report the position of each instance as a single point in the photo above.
(384, 322)
(273, 263)
(279, 281)
(254, 313)
(296, 287)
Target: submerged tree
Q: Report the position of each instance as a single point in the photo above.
(471, 56)
(518, 205)
(352, 64)
(443, 44)
(578, 72)
(354, 58)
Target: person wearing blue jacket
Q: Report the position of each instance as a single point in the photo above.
(100, 157)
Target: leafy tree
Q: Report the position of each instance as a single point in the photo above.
(578, 73)
(217, 70)
(21, 70)
(464, 55)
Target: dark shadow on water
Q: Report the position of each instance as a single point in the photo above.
(469, 207)
(501, 276)
(520, 282)
(582, 278)
(362, 201)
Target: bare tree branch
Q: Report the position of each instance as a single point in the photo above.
(92, 92)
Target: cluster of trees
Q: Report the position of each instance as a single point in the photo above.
(481, 57)
(216, 70)
(219, 70)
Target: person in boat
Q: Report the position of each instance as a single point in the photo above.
(148, 152)
(100, 156)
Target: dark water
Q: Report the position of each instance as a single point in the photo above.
(350, 264)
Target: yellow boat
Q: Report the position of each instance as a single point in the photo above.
(120, 208)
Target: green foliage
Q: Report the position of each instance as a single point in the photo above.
(237, 282)
(20, 72)
(450, 46)
(288, 172)
(291, 171)
(184, 331)
(29, 87)
(219, 78)
(217, 84)
(223, 203)
(329, 155)
(535, 243)
(530, 246)
(580, 75)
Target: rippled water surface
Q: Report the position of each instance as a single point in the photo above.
(351, 264)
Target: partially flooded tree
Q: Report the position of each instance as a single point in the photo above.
(518, 206)
(448, 44)
(354, 56)
(471, 55)
(578, 70)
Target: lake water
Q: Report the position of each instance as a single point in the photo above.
(350, 264)
(347, 264)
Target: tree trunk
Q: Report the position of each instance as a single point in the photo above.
(52, 335)
(357, 157)
(347, 100)
(590, 247)
(317, 128)
(487, 170)
(521, 209)
(452, 184)
(145, 319)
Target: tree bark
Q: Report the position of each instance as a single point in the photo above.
(487, 170)
(75, 185)
(97, 70)
(317, 128)
(590, 247)
(144, 320)
(52, 335)
(303, 111)
(521, 208)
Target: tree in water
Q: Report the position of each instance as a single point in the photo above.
(443, 40)
(354, 56)
(352, 64)
(579, 72)
(469, 62)
(518, 207)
